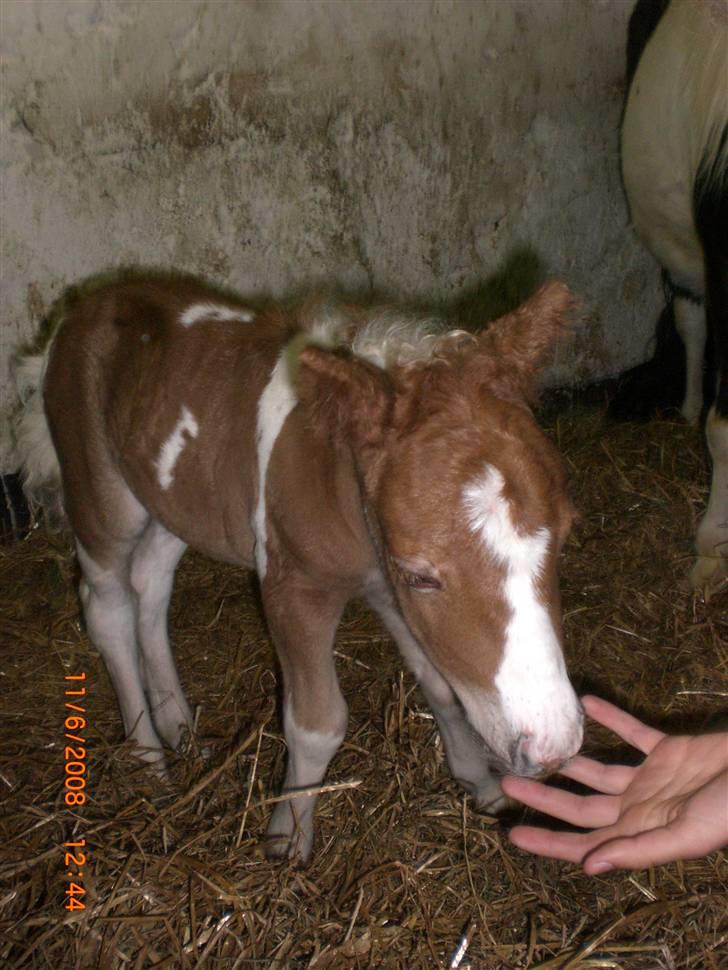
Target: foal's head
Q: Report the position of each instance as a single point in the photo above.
(468, 505)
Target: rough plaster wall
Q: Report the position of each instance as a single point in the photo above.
(421, 149)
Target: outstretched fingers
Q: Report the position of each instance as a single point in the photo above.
(597, 856)
(568, 846)
(631, 730)
(587, 811)
(609, 779)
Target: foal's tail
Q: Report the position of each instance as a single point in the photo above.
(34, 450)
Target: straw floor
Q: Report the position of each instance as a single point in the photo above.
(403, 866)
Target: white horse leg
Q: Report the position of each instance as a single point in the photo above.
(302, 624)
(691, 325)
(466, 754)
(110, 613)
(712, 537)
(153, 564)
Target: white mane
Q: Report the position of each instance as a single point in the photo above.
(387, 338)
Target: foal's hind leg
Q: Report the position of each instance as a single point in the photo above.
(153, 564)
(110, 613)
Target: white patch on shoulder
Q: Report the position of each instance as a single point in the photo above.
(275, 404)
(173, 446)
(536, 696)
(214, 311)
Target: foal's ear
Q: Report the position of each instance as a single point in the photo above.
(524, 340)
(345, 397)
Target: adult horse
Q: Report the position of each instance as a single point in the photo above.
(675, 170)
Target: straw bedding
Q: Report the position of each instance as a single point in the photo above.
(403, 867)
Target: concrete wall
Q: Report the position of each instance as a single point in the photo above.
(447, 151)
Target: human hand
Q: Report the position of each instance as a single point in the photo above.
(674, 805)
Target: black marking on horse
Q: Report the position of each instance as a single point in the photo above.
(642, 22)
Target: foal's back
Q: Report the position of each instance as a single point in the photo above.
(153, 384)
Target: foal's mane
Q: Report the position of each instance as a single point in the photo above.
(385, 336)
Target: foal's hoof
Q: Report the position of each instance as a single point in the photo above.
(286, 838)
(708, 572)
(488, 796)
(493, 805)
(280, 846)
(151, 757)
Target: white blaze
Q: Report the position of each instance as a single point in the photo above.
(536, 696)
(214, 311)
(172, 447)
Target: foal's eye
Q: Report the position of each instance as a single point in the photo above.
(425, 584)
(418, 574)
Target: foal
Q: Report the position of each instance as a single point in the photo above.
(340, 452)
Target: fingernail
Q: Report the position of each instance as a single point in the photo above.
(601, 867)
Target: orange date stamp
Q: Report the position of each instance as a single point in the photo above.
(74, 753)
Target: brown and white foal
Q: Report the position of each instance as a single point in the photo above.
(340, 452)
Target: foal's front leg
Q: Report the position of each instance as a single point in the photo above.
(303, 621)
(467, 757)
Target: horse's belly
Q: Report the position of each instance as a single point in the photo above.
(662, 215)
(659, 187)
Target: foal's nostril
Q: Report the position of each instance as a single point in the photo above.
(525, 762)
(520, 754)
(549, 767)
